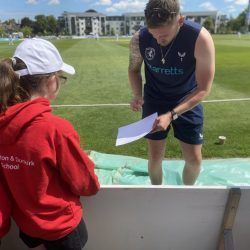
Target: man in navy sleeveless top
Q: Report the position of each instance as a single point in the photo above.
(179, 64)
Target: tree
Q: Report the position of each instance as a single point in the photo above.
(51, 25)
(10, 25)
(209, 24)
(27, 31)
(10, 22)
(61, 29)
(40, 25)
(2, 32)
(26, 22)
(112, 32)
(238, 24)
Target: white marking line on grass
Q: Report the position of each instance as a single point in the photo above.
(90, 105)
(127, 104)
(229, 100)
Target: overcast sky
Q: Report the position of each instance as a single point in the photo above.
(29, 8)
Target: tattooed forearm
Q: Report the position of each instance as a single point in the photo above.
(135, 58)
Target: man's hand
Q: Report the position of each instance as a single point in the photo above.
(162, 122)
(136, 103)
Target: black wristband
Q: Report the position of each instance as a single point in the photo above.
(174, 115)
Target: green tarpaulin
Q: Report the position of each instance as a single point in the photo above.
(127, 170)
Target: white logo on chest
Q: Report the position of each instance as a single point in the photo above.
(181, 55)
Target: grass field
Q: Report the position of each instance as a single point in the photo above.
(101, 67)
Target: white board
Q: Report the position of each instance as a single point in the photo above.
(157, 218)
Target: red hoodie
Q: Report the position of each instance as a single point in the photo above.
(45, 169)
(5, 212)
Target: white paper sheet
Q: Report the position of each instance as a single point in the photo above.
(136, 130)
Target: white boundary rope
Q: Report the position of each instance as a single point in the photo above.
(127, 104)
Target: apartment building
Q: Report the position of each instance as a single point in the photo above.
(98, 24)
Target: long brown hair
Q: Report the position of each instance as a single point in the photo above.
(15, 89)
(9, 85)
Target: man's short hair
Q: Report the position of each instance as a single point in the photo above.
(161, 12)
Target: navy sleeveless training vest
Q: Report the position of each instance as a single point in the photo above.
(176, 78)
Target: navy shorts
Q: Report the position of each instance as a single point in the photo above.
(187, 128)
(75, 240)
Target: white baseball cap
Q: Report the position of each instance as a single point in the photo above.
(40, 57)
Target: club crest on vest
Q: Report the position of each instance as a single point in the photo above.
(150, 53)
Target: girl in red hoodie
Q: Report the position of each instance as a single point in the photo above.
(41, 161)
